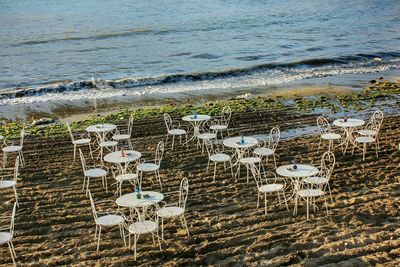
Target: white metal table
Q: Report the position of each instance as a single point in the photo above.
(240, 147)
(118, 158)
(131, 201)
(348, 127)
(195, 121)
(295, 175)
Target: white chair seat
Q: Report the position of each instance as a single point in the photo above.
(263, 151)
(119, 137)
(310, 193)
(316, 180)
(331, 136)
(96, 172)
(218, 127)
(109, 220)
(83, 141)
(4, 237)
(126, 177)
(108, 143)
(7, 183)
(9, 149)
(143, 227)
(365, 139)
(177, 131)
(220, 157)
(250, 160)
(207, 136)
(168, 212)
(367, 132)
(271, 188)
(148, 167)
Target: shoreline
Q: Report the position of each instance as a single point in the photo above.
(76, 110)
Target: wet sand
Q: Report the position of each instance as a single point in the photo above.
(55, 227)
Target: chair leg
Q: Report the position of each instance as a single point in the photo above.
(16, 195)
(74, 152)
(308, 207)
(135, 238)
(364, 150)
(90, 151)
(11, 252)
(330, 193)
(13, 249)
(159, 178)
(265, 204)
(4, 159)
(162, 228)
(98, 240)
(185, 225)
(319, 144)
(215, 170)
(258, 200)
(173, 141)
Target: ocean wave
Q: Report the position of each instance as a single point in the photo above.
(239, 78)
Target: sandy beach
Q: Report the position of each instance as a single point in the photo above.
(55, 227)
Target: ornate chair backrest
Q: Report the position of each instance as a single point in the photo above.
(183, 193)
(328, 162)
(168, 121)
(70, 131)
(226, 115)
(323, 125)
(274, 137)
(377, 118)
(16, 169)
(130, 125)
(21, 142)
(83, 161)
(256, 174)
(93, 206)
(159, 152)
(209, 147)
(147, 211)
(13, 219)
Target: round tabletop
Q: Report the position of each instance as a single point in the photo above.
(115, 157)
(234, 142)
(130, 200)
(349, 123)
(101, 128)
(198, 118)
(302, 170)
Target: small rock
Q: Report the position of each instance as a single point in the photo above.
(372, 81)
(43, 121)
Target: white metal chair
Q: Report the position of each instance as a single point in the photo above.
(221, 124)
(126, 176)
(326, 133)
(268, 148)
(216, 156)
(176, 209)
(174, 128)
(84, 140)
(145, 222)
(93, 172)
(7, 233)
(310, 195)
(367, 140)
(119, 137)
(374, 125)
(153, 166)
(325, 172)
(106, 144)
(11, 183)
(205, 135)
(267, 183)
(106, 219)
(14, 149)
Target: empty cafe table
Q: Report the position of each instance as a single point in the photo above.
(196, 121)
(118, 158)
(348, 126)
